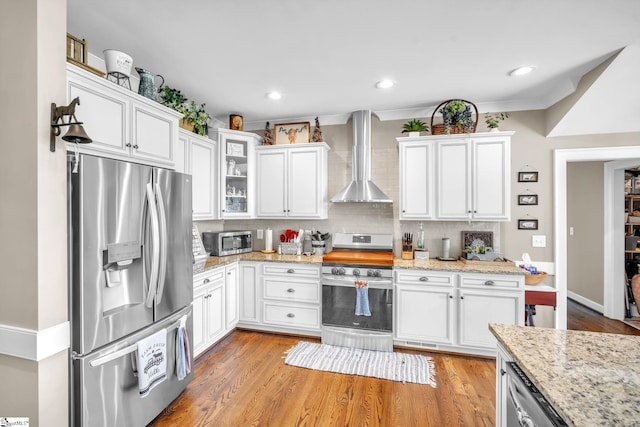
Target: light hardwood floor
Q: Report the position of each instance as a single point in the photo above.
(243, 381)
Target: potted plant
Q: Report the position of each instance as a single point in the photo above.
(195, 117)
(493, 119)
(457, 113)
(414, 127)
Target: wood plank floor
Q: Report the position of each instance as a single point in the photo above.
(243, 381)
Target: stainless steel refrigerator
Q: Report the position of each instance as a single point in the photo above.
(131, 272)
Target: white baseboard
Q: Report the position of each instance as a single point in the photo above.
(34, 345)
(586, 302)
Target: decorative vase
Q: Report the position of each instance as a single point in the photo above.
(186, 124)
(414, 134)
(494, 130)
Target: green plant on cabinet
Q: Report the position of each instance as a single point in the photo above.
(492, 120)
(415, 125)
(192, 112)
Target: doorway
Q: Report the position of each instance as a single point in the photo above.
(617, 158)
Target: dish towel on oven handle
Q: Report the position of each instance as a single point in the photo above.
(362, 298)
(183, 355)
(152, 361)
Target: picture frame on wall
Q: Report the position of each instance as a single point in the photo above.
(527, 176)
(292, 133)
(527, 224)
(527, 199)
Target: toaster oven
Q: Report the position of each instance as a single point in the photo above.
(222, 243)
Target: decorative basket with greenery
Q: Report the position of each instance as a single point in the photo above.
(195, 117)
(415, 125)
(492, 120)
(457, 117)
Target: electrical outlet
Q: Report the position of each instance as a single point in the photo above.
(539, 241)
(260, 235)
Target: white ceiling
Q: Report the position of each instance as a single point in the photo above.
(325, 56)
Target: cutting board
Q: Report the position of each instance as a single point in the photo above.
(354, 257)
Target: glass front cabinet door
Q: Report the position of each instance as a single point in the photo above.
(237, 178)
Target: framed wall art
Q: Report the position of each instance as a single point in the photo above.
(527, 199)
(527, 176)
(527, 224)
(291, 133)
(236, 122)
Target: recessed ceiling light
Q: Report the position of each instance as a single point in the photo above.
(385, 84)
(521, 71)
(274, 95)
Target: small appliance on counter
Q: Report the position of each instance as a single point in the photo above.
(222, 243)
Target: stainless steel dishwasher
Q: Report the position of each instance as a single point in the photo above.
(526, 406)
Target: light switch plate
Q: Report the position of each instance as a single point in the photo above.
(539, 241)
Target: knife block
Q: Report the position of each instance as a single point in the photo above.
(407, 251)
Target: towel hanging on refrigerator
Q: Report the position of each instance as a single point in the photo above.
(152, 361)
(362, 298)
(183, 355)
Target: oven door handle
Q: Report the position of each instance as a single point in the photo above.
(374, 284)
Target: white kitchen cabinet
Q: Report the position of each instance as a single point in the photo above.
(473, 181)
(208, 309)
(122, 124)
(417, 179)
(451, 311)
(502, 357)
(292, 181)
(249, 282)
(485, 299)
(456, 177)
(197, 155)
(280, 297)
(232, 306)
(236, 172)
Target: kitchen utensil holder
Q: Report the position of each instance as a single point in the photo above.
(290, 248)
(407, 251)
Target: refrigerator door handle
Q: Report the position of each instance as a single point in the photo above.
(155, 247)
(163, 244)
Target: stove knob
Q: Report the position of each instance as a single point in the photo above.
(341, 271)
(334, 270)
(370, 273)
(377, 273)
(356, 272)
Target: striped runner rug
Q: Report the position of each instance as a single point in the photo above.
(408, 368)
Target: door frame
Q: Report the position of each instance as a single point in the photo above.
(613, 279)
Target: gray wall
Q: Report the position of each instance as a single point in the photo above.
(585, 197)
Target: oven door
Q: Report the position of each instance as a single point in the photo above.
(339, 305)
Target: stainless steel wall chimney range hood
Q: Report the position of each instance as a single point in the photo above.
(361, 189)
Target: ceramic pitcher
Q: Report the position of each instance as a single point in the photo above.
(147, 84)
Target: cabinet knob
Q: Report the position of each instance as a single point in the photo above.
(502, 372)
(291, 290)
(424, 279)
(206, 281)
(291, 315)
(228, 273)
(291, 271)
(461, 296)
(404, 211)
(450, 296)
(489, 283)
(135, 146)
(128, 145)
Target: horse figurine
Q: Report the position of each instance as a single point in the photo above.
(69, 110)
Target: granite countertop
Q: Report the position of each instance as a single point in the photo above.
(457, 266)
(431, 264)
(590, 378)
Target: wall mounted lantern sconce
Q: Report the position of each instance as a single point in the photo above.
(75, 133)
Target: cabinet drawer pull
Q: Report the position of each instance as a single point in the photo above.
(291, 315)
(206, 281)
(489, 283)
(291, 290)
(424, 279)
(291, 271)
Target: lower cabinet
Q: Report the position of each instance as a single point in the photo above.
(280, 297)
(215, 305)
(502, 357)
(452, 311)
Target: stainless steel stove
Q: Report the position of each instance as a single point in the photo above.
(357, 292)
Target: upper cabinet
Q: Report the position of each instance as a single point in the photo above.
(456, 177)
(237, 172)
(197, 156)
(292, 181)
(121, 123)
